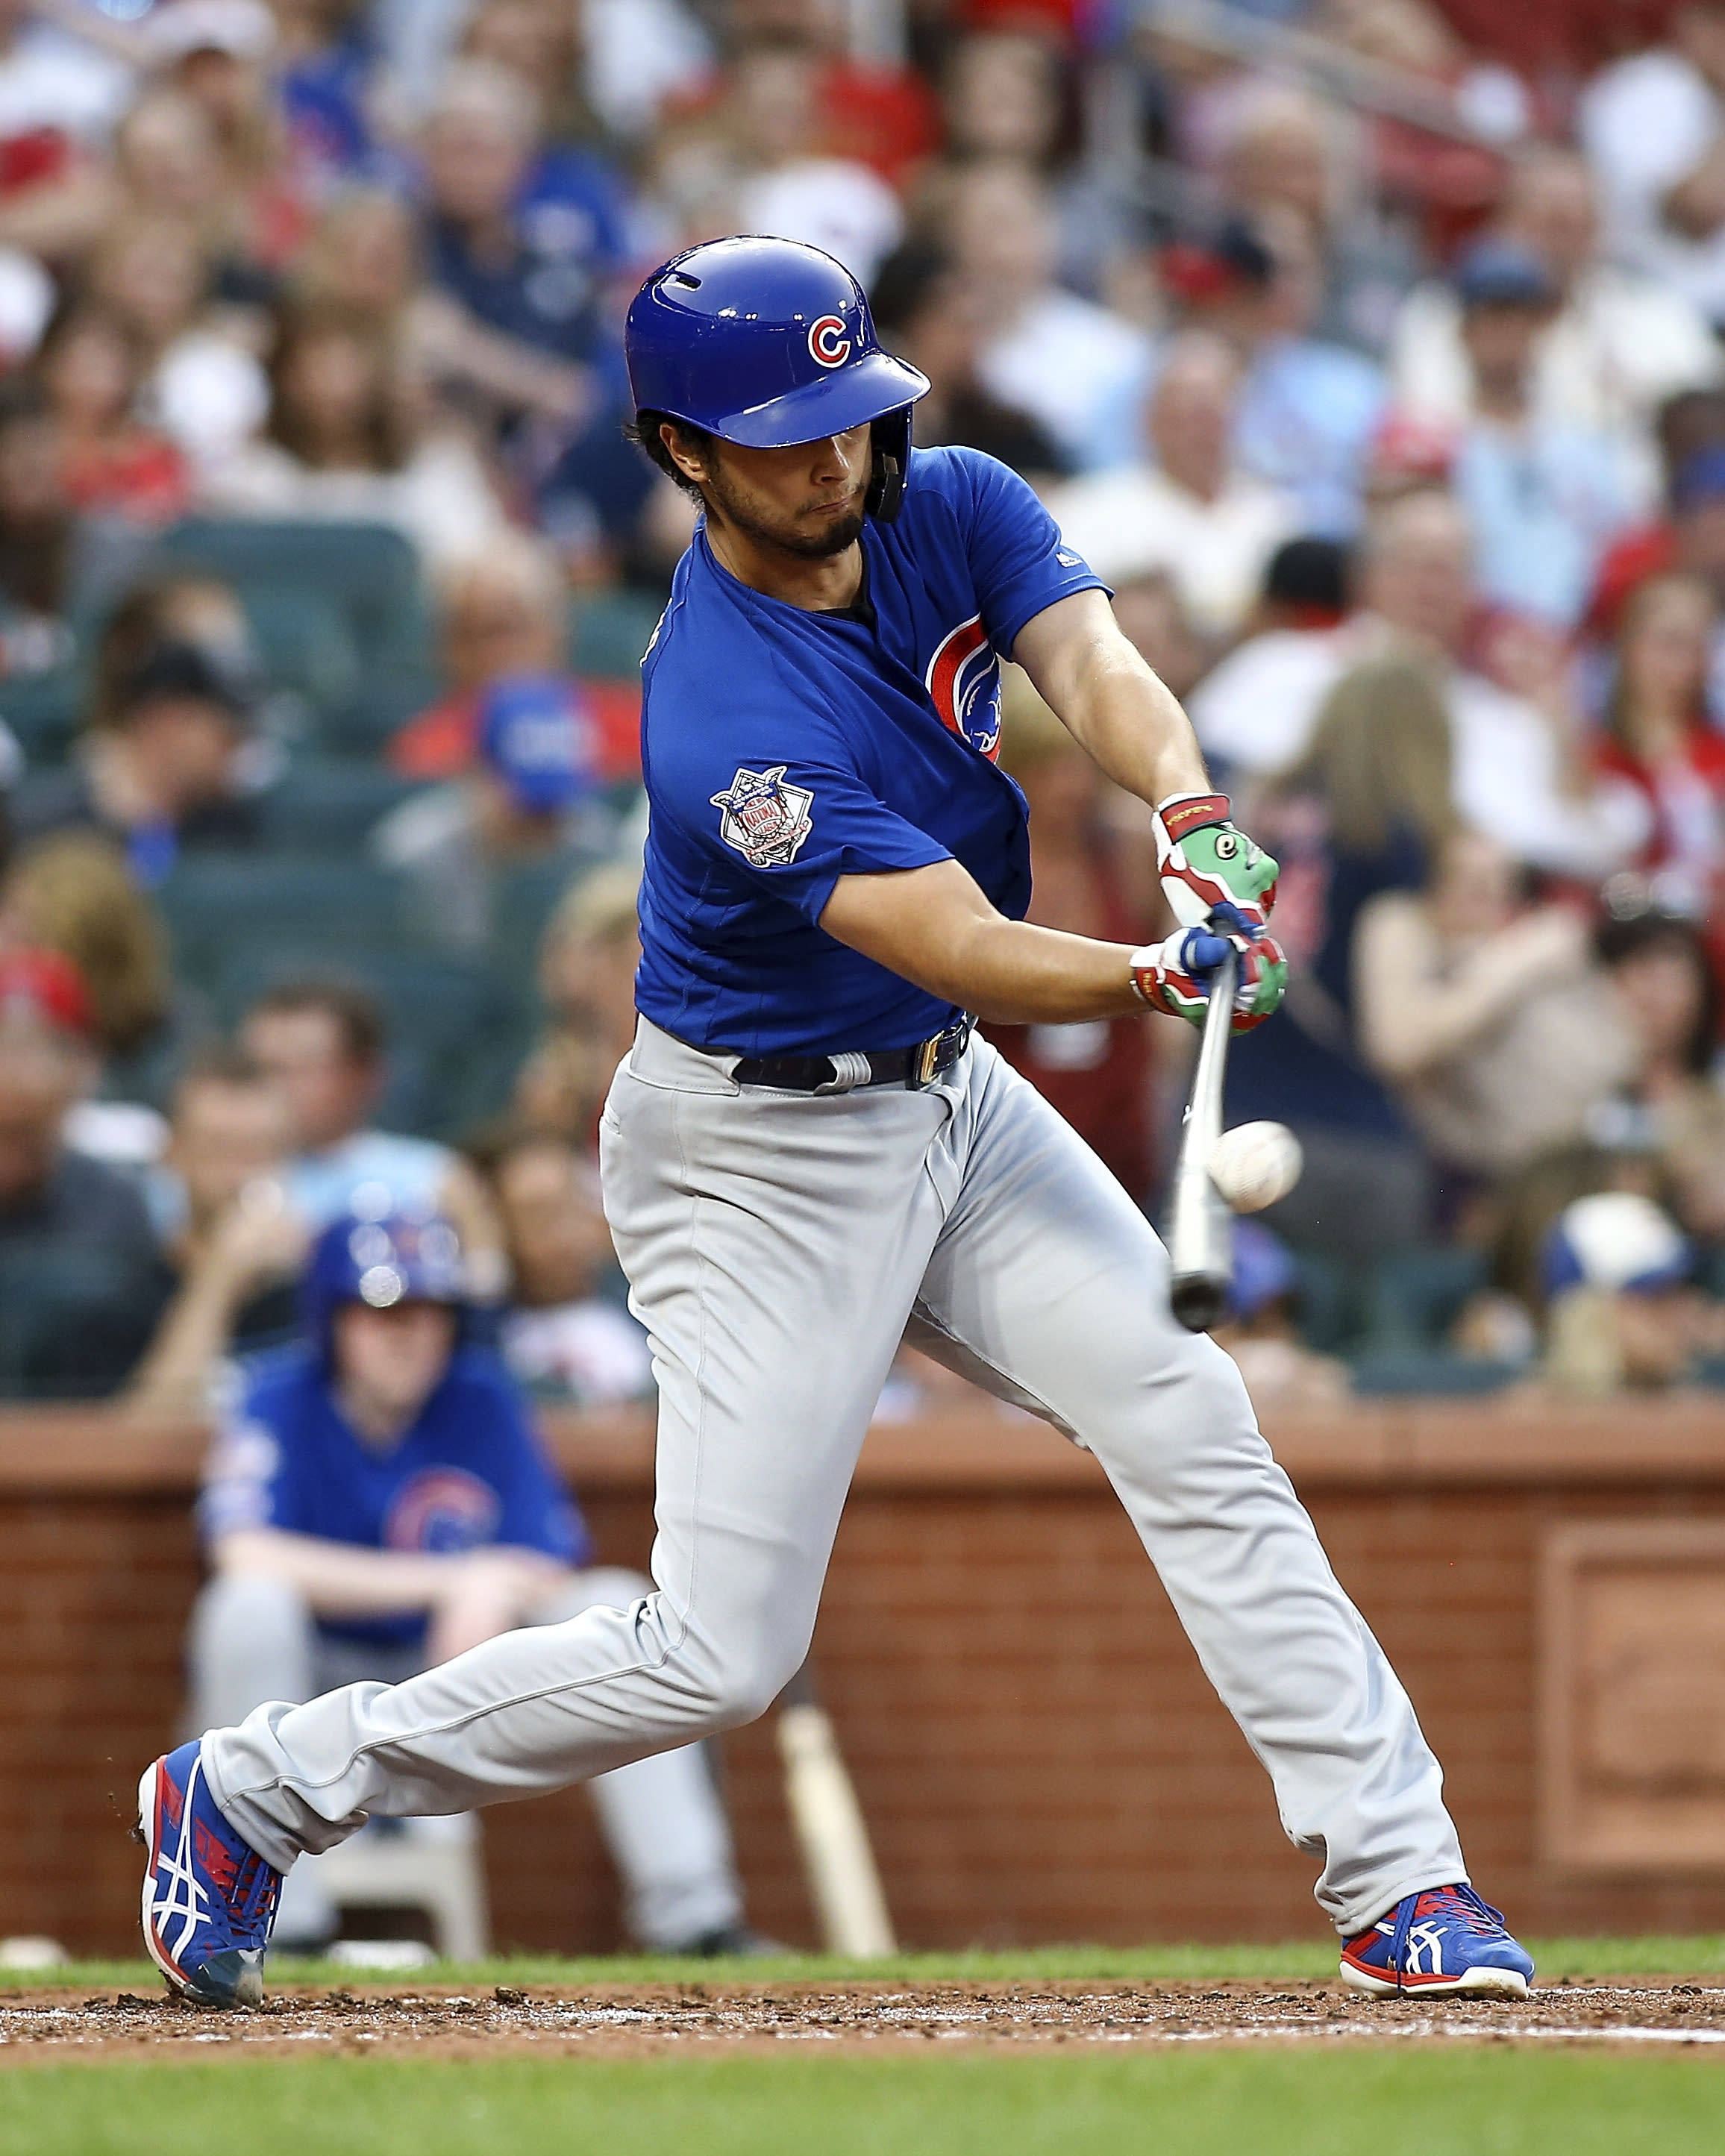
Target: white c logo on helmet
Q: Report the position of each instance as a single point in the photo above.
(829, 340)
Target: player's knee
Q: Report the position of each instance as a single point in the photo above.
(242, 1603)
(739, 1679)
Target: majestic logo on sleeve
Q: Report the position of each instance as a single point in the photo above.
(765, 819)
(829, 340)
(963, 679)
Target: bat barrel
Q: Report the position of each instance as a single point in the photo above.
(1200, 1227)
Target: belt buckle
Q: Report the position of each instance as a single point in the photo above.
(940, 1052)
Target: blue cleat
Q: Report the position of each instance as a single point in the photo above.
(1444, 1940)
(209, 1899)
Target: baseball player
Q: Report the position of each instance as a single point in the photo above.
(376, 1498)
(808, 1157)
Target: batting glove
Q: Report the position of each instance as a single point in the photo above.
(1210, 871)
(1172, 977)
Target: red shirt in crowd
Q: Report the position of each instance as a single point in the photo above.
(443, 741)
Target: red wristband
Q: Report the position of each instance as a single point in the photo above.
(1187, 813)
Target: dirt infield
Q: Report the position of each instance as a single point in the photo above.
(650, 2020)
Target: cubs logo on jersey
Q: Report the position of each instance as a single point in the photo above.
(442, 1509)
(963, 679)
(766, 819)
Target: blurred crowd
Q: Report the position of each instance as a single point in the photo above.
(1373, 351)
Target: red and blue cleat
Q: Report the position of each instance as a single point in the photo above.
(209, 1899)
(1446, 1940)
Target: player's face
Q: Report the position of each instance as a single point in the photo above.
(389, 1362)
(806, 501)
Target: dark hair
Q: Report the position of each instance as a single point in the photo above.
(352, 1009)
(387, 437)
(1618, 942)
(643, 431)
(175, 667)
(491, 1148)
(906, 282)
(1309, 572)
(221, 1063)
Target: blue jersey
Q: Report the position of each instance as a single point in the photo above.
(468, 1473)
(783, 749)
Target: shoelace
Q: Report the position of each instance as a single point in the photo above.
(1475, 1913)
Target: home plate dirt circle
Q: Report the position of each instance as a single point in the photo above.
(649, 2020)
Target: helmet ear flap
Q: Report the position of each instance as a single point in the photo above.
(890, 442)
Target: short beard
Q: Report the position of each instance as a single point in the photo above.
(818, 546)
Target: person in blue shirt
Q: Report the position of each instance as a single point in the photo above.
(378, 1502)
(808, 1159)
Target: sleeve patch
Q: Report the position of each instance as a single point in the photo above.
(764, 817)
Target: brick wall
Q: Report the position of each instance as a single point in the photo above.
(1038, 1755)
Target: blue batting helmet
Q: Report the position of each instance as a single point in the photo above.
(380, 1262)
(766, 342)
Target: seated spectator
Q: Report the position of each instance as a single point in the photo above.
(1153, 620)
(1490, 1019)
(1307, 409)
(1618, 343)
(1189, 512)
(926, 313)
(1364, 811)
(92, 370)
(1654, 129)
(341, 442)
(1252, 711)
(1620, 1313)
(1279, 153)
(587, 959)
(203, 385)
(1097, 1074)
(535, 279)
(1544, 497)
(164, 773)
(320, 1043)
(379, 1502)
(502, 614)
(1657, 738)
(73, 893)
(529, 797)
(232, 1243)
(79, 1284)
(560, 1338)
(1517, 767)
(362, 260)
(1261, 1330)
(39, 537)
(1074, 366)
(1671, 1108)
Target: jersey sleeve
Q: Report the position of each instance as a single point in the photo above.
(1019, 561)
(792, 825)
(538, 1512)
(245, 1477)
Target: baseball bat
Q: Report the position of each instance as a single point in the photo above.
(830, 1830)
(1200, 1226)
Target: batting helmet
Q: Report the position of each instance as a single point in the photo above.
(380, 1261)
(766, 342)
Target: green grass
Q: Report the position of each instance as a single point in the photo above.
(1576, 1958)
(1190, 2104)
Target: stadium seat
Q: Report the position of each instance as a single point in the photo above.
(608, 631)
(73, 1321)
(329, 804)
(1415, 1370)
(1413, 1297)
(218, 904)
(340, 611)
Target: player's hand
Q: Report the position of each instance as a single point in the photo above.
(1172, 977)
(1211, 873)
(486, 1591)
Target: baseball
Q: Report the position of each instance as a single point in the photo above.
(1254, 1164)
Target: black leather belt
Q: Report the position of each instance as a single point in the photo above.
(914, 1067)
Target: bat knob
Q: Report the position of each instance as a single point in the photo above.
(1197, 1300)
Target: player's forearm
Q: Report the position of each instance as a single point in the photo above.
(336, 1579)
(934, 926)
(1119, 711)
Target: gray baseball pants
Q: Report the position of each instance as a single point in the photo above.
(779, 1246)
(253, 1638)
